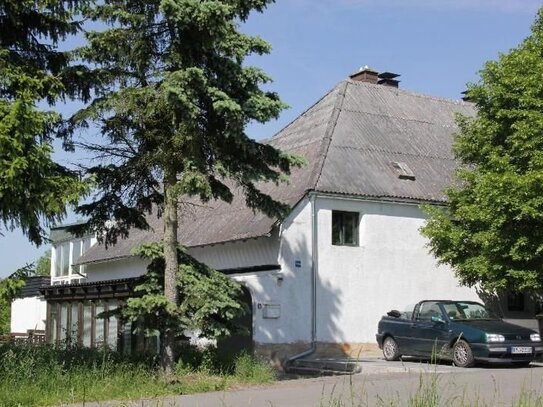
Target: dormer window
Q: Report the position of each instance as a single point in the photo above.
(404, 172)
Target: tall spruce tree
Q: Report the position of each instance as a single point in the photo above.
(34, 189)
(173, 101)
(491, 233)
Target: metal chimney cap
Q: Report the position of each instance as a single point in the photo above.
(388, 75)
(366, 68)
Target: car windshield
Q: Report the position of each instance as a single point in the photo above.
(467, 311)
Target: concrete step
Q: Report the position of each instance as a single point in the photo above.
(319, 367)
(310, 371)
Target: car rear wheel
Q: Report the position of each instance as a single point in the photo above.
(391, 351)
(462, 355)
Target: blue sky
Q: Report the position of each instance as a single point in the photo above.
(436, 45)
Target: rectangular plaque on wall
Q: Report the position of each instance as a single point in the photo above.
(272, 311)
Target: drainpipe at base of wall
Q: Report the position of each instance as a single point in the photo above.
(314, 273)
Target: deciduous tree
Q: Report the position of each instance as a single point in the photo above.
(491, 232)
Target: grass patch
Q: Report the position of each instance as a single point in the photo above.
(47, 375)
(432, 391)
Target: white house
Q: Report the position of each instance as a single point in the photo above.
(349, 251)
(28, 309)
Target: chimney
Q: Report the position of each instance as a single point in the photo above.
(369, 75)
(388, 79)
(366, 74)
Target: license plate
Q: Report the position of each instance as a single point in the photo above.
(521, 349)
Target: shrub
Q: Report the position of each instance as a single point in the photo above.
(248, 369)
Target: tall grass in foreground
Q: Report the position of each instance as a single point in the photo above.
(47, 375)
(431, 392)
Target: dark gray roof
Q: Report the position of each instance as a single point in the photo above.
(379, 125)
(349, 138)
(32, 286)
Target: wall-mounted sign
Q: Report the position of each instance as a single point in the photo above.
(297, 263)
(272, 311)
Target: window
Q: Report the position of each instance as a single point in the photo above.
(62, 259)
(66, 254)
(113, 326)
(87, 324)
(515, 301)
(63, 321)
(427, 310)
(99, 336)
(404, 172)
(52, 322)
(74, 322)
(79, 248)
(344, 228)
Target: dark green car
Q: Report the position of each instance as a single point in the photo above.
(461, 331)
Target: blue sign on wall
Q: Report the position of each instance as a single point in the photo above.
(298, 263)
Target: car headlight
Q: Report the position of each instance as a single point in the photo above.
(535, 338)
(495, 338)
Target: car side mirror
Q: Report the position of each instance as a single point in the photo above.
(437, 320)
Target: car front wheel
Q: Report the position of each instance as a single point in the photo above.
(462, 355)
(391, 351)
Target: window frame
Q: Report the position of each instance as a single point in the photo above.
(338, 215)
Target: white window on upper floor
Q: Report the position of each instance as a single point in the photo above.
(62, 260)
(65, 255)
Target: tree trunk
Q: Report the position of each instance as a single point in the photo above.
(171, 266)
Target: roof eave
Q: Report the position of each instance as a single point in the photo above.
(379, 198)
(118, 258)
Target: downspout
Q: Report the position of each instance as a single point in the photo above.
(314, 274)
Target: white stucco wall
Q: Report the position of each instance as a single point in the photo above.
(390, 269)
(28, 313)
(285, 291)
(113, 270)
(288, 290)
(245, 253)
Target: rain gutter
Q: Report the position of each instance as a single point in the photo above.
(314, 276)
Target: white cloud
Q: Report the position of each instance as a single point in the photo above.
(505, 6)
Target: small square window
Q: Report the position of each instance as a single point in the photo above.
(344, 228)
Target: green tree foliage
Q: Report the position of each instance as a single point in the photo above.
(209, 301)
(491, 233)
(33, 188)
(43, 265)
(173, 100)
(5, 312)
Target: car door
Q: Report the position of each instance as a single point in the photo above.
(431, 329)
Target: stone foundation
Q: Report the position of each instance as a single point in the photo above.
(278, 353)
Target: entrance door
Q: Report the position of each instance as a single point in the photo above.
(235, 344)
